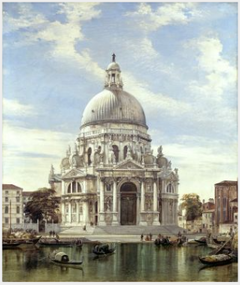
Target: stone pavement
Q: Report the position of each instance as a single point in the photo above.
(120, 233)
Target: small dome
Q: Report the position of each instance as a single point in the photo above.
(113, 65)
(113, 105)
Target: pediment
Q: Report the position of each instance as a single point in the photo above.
(74, 173)
(129, 164)
(167, 175)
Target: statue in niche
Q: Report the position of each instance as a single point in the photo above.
(112, 158)
(108, 204)
(138, 155)
(148, 204)
(97, 156)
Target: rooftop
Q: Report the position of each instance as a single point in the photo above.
(10, 187)
(227, 183)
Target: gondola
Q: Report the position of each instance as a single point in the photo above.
(202, 240)
(218, 259)
(103, 250)
(10, 245)
(62, 259)
(55, 243)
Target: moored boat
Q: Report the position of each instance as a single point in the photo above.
(10, 245)
(202, 240)
(55, 242)
(103, 249)
(62, 259)
(217, 259)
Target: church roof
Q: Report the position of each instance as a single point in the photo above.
(113, 104)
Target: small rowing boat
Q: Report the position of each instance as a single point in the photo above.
(218, 259)
(62, 259)
(103, 250)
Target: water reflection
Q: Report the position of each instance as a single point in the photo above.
(131, 262)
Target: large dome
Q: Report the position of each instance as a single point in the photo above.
(113, 105)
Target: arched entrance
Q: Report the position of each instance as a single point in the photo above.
(128, 203)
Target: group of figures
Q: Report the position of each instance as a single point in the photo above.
(166, 240)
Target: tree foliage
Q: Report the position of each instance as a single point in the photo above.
(193, 206)
(43, 204)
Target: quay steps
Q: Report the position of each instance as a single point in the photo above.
(120, 230)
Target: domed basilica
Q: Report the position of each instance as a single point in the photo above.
(111, 177)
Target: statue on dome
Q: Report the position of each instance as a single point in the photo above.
(113, 57)
(160, 153)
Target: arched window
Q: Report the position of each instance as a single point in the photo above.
(113, 78)
(89, 156)
(74, 187)
(170, 188)
(116, 152)
(6, 210)
(125, 152)
(18, 210)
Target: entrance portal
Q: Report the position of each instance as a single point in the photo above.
(128, 204)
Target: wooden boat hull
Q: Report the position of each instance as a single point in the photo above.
(10, 245)
(72, 264)
(201, 241)
(214, 260)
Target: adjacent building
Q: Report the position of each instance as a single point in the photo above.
(111, 176)
(12, 206)
(226, 206)
(208, 215)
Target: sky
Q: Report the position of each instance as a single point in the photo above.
(178, 59)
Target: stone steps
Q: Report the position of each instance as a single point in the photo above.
(121, 230)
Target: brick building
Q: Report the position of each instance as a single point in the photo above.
(226, 194)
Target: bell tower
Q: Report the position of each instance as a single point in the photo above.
(113, 75)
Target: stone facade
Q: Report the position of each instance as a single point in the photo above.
(111, 176)
(12, 206)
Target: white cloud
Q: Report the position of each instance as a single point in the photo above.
(27, 18)
(220, 74)
(166, 14)
(29, 153)
(62, 36)
(152, 102)
(201, 162)
(13, 107)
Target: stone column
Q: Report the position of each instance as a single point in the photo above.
(86, 213)
(101, 196)
(142, 196)
(70, 212)
(63, 188)
(155, 200)
(143, 222)
(154, 196)
(115, 219)
(63, 212)
(101, 213)
(114, 196)
(77, 204)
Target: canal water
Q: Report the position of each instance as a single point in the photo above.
(130, 262)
